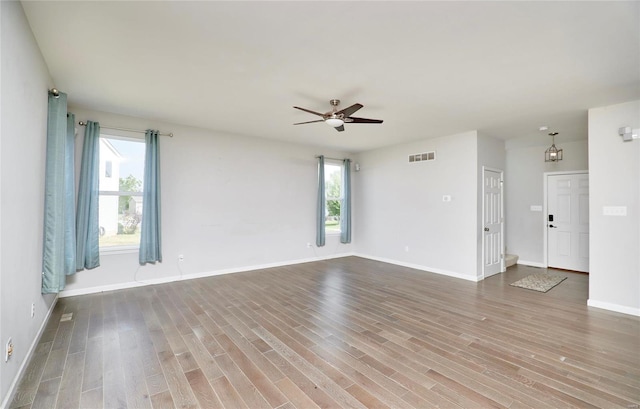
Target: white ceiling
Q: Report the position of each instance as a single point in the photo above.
(428, 69)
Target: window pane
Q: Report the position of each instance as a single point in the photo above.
(333, 189)
(332, 221)
(120, 212)
(119, 228)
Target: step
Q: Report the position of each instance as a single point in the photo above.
(510, 260)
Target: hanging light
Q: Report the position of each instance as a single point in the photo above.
(553, 154)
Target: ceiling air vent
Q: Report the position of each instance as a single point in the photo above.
(421, 157)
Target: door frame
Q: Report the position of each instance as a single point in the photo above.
(545, 211)
(502, 241)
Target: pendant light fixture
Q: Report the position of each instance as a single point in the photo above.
(553, 154)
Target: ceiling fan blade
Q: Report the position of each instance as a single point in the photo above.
(310, 111)
(350, 110)
(309, 122)
(340, 128)
(355, 120)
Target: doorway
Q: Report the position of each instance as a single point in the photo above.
(493, 222)
(567, 220)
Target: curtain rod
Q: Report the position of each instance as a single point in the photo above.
(82, 123)
(326, 157)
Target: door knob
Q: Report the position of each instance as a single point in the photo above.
(553, 227)
(486, 229)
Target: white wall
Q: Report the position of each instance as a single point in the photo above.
(24, 83)
(525, 166)
(228, 203)
(614, 279)
(400, 205)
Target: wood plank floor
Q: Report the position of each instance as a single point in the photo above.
(343, 333)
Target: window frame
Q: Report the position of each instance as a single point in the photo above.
(340, 198)
(123, 249)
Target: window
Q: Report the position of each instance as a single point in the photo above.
(333, 194)
(120, 192)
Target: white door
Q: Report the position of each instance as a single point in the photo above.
(568, 221)
(493, 257)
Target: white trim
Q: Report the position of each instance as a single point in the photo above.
(532, 263)
(613, 307)
(545, 215)
(109, 250)
(27, 359)
(133, 284)
(119, 193)
(420, 267)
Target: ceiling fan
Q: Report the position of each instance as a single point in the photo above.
(336, 118)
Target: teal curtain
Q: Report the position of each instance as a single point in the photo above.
(58, 258)
(345, 208)
(70, 197)
(322, 202)
(150, 237)
(87, 228)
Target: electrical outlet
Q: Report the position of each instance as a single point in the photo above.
(309, 245)
(181, 257)
(33, 310)
(8, 351)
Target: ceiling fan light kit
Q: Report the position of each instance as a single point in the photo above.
(334, 122)
(336, 119)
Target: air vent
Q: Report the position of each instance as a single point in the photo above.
(66, 317)
(421, 157)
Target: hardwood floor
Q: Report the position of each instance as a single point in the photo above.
(343, 333)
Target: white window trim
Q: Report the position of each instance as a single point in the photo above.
(119, 250)
(112, 250)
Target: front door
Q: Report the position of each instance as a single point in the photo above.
(568, 221)
(493, 257)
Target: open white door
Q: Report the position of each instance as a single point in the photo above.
(492, 219)
(568, 221)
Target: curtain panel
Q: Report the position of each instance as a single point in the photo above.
(321, 207)
(87, 228)
(150, 237)
(58, 258)
(345, 208)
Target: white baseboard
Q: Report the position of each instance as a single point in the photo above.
(142, 283)
(12, 388)
(420, 267)
(614, 307)
(531, 263)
